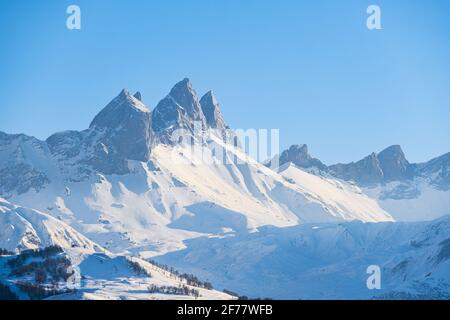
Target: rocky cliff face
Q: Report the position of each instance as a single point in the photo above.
(125, 119)
(211, 110)
(438, 170)
(179, 110)
(23, 163)
(366, 171)
(299, 155)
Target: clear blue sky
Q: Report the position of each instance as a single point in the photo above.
(310, 68)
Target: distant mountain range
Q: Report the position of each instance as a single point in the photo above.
(377, 168)
(409, 191)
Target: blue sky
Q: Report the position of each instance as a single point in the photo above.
(311, 69)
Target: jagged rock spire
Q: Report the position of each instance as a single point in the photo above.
(180, 109)
(118, 109)
(138, 95)
(211, 110)
(393, 163)
(125, 124)
(299, 155)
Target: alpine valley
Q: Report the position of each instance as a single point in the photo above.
(129, 209)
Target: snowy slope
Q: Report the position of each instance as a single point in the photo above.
(408, 191)
(126, 184)
(22, 228)
(325, 261)
(337, 194)
(179, 194)
(109, 277)
(98, 274)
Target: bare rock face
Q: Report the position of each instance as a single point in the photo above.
(21, 164)
(299, 155)
(120, 132)
(386, 166)
(180, 109)
(377, 168)
(138, 96)
(394, 164)
(127, 126)
(365, 172)
(211, 110)
(437, 170)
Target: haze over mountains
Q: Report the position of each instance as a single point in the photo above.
(132, 184)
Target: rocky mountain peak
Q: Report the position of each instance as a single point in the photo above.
(124, 131)
(393, 163)
(122, 107)
(388, 165)
(138, 95)
(366, 171)
(299, 155)
(211, 110)
(180, 109)
(185, 96)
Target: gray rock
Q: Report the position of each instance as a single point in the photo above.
(394, 164)
(126, 126)
(437, 170)
(388, 165)
(211, 110)
(365, 172)
(19, 170)
(299, 155)
(66, 144)
(120, 132)
(180, 109)
(138, 96)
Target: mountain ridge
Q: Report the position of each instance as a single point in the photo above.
(133, 189)
(386, 166)
(135, 186)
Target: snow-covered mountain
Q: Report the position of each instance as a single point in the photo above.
(337, 194)
(24, 229)
(43, 257)
(408, 191)
(130, 183)
(174, 183)
(326, 261)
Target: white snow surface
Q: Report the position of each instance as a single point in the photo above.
(22, 229)
(180, 194)
(430, 203)
(109, 277)
(102, 275)
(346, 199)
(325, 261)
(238, 224)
